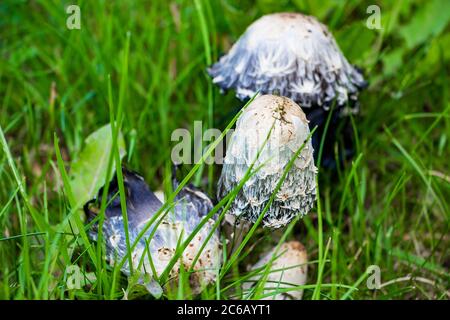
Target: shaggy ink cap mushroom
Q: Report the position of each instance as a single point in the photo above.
(292, 55)
(191, 206)
(268, 135)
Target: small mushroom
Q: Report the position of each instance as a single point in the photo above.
(292, 55)
(288, 269)
(191, 206)
(268, 134)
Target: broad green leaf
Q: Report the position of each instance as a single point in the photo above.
(88, 170)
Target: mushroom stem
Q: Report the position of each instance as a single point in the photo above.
(288, 269)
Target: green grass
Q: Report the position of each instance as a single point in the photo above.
(141, 66)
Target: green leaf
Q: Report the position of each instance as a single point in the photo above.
(88, 170)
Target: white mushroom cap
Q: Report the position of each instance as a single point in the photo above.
(290, 54)
(288, 128)
(291, 264)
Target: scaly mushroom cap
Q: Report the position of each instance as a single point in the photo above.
(292, 55)
(288, 128)
(290, 263)
(191, 206)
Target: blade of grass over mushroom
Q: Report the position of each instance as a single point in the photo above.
(260, 285)
(234, 256)
(149, 224)
(160, 219)
(247, 276)
(232, 195)
(164, 276)
(228, 199)
(150, 259)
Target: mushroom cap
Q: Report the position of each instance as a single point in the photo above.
(191, 206)
(292, 269)
(288, 128)
(290, 54)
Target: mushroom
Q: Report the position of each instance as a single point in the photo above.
(288, 269)
(290, 54)
(191, 206)
(268, 134)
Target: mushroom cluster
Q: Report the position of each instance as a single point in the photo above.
(268, 135)
(290, 59)
(161, 240)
